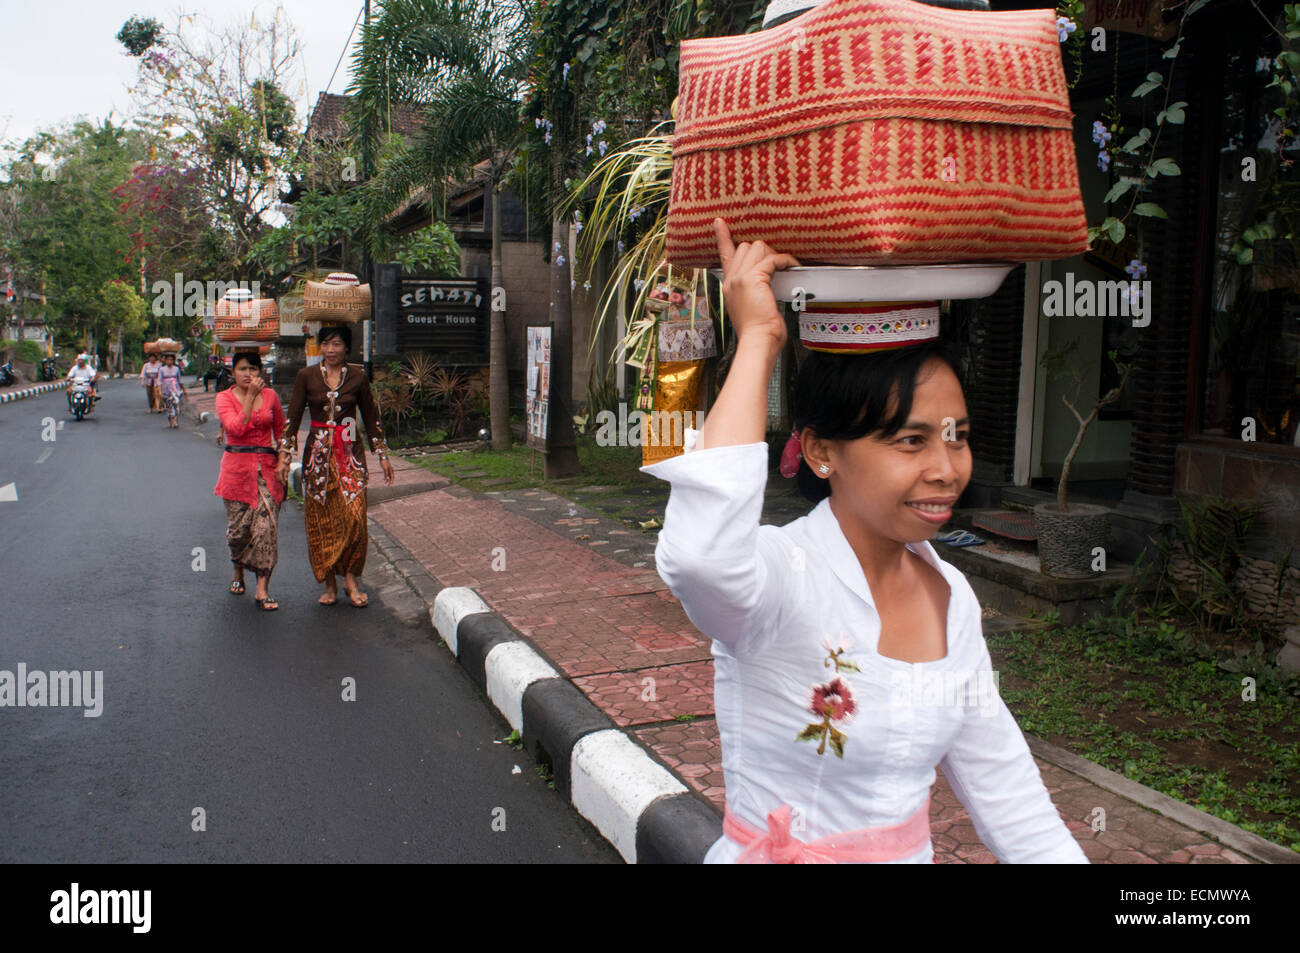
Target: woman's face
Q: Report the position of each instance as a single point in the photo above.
(333, 351)
(246, 373)
(878, 481)
(171, 359)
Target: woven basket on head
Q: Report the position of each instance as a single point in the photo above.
(168, 346)
(151, 347)
(879, 132)
(240, 318)
(339, 299)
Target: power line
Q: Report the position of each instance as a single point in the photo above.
(344, 51)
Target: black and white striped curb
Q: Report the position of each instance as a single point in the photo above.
(31, 391)
(638, 805)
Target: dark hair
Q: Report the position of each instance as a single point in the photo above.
(252, 357)
(341, 331)
(846, 396)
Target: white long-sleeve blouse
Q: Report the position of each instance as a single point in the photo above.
(810, 715)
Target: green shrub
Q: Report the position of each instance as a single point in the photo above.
(28, 351)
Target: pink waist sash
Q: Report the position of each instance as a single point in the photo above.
(871, 845)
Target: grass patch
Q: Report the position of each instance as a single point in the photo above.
(1146, 701)
(601, 466)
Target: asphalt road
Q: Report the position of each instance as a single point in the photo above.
(210, 704)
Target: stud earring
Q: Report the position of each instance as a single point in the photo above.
(823, 469)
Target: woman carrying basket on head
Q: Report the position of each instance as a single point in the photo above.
(171, 388)
(149, 380)
(334, 476)
(848, 659)
(251, 420)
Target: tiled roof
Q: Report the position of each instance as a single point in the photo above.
(327, 118)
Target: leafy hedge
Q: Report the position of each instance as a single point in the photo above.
(28, 351)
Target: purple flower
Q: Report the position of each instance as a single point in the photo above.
(559, 262)
(567, 67)
(1100, 134)
(1064, 27)
(603, 146)
(1103, 160)
(1136, 269)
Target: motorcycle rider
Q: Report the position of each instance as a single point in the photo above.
(82, 371)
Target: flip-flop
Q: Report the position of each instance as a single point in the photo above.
(267, 605)
(237, 587)
(966, 539)
(948, 537)
(359, 605)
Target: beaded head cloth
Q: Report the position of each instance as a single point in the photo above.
(867, 327)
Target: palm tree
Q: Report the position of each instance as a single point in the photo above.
(463, 63)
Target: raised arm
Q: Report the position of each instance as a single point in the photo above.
(234, 420)
(728, 573)
(739, 416)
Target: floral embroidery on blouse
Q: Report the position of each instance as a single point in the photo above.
(831, 702)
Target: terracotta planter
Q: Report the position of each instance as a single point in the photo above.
(1066, 540)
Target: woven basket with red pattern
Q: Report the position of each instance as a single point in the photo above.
(879, 132)
(255, 320)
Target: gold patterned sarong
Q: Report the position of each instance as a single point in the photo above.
(335, 519)
(252, 531)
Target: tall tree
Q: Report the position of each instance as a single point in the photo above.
(463, 64)
(62, 228)
(217, 95)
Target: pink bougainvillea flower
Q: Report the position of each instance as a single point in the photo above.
(833, 700)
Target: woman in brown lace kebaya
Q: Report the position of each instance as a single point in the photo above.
(334, 476)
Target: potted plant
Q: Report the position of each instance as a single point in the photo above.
(1068, 533)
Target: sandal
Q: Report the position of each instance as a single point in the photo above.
(237, 587)
(268, 604)
(321, 601)
(352, 598)
(965, 539)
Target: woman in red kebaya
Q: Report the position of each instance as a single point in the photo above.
(251, 417)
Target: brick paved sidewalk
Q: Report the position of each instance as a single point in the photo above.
(611, 624)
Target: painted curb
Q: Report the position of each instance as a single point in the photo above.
(644, 810)
(33, 391)
(614, 781)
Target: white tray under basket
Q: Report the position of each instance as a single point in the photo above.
(887, 282)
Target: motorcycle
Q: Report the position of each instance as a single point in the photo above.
(6, 374)
(49, 371)
(80, 398)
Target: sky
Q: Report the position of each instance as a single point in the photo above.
(60, 59)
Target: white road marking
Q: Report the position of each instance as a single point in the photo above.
(45, 455)
(9, 493)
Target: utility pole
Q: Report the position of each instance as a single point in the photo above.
(366, 268)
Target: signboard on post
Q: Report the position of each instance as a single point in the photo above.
(447, 317)
(537, 400)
